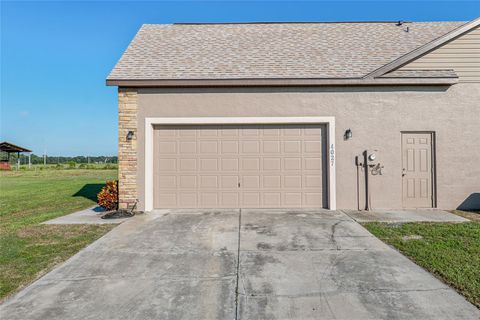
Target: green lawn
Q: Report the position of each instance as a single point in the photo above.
(27, 198)
(450, 251)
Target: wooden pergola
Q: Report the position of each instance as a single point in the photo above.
(7, 148)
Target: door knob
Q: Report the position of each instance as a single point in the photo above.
(404, 172)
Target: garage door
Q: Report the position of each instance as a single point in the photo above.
(250, 166)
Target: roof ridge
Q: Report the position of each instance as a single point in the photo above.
(288, 22)
(305, 22)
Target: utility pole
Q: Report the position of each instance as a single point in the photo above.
(45, 157)
(29, 160)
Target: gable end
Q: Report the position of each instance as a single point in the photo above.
(461, 54)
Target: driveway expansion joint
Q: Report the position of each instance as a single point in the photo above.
(238, 262)
(404, 290)
(322, 293)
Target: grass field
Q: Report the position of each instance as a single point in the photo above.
(27, 198)
(450, 251)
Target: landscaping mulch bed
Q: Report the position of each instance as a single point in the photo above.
(117, 214)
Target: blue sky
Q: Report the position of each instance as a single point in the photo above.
(55, 57)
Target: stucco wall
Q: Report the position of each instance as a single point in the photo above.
(376, 116)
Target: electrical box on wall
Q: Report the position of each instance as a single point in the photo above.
(374, 162)
(373, 157)
(369, 157)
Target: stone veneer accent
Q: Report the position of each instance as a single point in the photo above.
(127, 149)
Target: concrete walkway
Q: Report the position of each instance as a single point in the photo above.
(404, 216)
(227, 264)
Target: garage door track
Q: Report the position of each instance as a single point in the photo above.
(232, 264)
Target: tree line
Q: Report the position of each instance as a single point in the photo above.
(62, 159)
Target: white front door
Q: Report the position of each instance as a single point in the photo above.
(417, 171)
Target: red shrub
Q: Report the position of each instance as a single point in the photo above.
(108, 197)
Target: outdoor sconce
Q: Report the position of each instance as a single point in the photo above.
(348, 134)
(130, 135)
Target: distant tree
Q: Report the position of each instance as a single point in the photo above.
(62, 159)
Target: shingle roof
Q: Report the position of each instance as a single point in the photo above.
(10, 147)
(270, 50)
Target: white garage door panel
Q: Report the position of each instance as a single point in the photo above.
(231, 166)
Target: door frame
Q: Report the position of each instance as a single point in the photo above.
(433, 139)
(151, 122)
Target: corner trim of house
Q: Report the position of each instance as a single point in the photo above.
(150, 122)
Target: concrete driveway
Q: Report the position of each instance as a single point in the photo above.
(301, 264)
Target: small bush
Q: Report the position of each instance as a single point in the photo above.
(107, 198)
(72, 164)
(82, 166)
